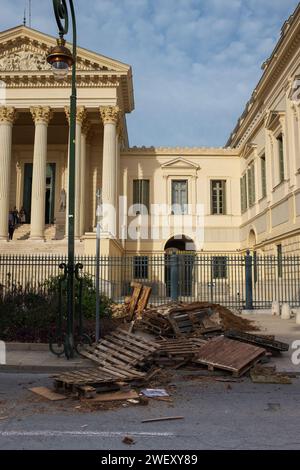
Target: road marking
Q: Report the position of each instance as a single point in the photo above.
(82, 434)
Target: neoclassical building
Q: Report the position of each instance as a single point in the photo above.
(218, 200)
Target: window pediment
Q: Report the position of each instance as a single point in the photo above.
(273, 119)
(180, 163)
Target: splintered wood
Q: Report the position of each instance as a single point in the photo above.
(232, 356)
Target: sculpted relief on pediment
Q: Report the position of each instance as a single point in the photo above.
(26, 60)
(23, 61)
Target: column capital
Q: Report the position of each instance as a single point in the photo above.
(8, 115)
(41, 114)
(86, 126)
(110, 114)
(81, 114)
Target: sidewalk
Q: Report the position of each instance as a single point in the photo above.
(38, 359)
(283, 330)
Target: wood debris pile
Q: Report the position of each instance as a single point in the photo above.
(169, 336)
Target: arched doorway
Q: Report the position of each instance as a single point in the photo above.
(251, 240)
(184, 250)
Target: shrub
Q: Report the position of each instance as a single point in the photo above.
(27, 315)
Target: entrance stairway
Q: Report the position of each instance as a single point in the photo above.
(22, 232)
(55, 242)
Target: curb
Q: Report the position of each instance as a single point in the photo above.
(32, 369)
(27, 347)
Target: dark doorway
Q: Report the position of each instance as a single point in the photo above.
(185, 249)
(27, 191)
(50, 192)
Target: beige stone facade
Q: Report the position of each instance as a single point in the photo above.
(245, 195)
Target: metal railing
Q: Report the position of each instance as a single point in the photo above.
(235, 281)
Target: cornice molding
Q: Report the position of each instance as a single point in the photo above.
(39, 80)
(281, 56)
(182, 151)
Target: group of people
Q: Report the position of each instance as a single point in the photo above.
(15, 218)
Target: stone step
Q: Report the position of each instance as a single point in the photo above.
(23, 247)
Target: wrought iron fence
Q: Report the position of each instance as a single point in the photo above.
(234, 281)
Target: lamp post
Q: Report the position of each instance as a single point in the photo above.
(98, 237)
(61, 60)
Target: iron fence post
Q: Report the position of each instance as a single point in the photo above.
(249, 281)
(174, 264)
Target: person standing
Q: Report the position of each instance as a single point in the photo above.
(11, 225)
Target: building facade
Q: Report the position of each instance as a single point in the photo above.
(211, 200)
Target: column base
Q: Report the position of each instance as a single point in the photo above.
(4, 239)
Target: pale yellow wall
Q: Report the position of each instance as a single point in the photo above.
(199, 167)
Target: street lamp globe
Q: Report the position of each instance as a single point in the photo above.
(60, 70)
(61, 60)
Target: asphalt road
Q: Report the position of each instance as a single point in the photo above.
(216, 416)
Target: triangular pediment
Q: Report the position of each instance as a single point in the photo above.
(25, 49)
(180, 163)
(248, 150)
(23, 53)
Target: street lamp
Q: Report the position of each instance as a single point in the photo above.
(61, 60)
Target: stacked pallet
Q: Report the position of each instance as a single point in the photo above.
(176, 352)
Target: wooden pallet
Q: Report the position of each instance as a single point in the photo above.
(172, 352)
(270, 344)
(227, 354)
(121, 349)
(185, 321)
(83, 382)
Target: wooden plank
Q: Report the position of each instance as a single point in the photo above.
(168, 418)
(47, 393)
(115, 396)
(143, 300)
(137, 289)
(134, 339)
(134, 351)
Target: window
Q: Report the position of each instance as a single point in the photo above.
(251, 186)
(179, 197)
(281, 157)
(140, 267)
(219, 267)
(263, 176)
(244, 197)
(218, 197)
(279, 260)
(141, 195)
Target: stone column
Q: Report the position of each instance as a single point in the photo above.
(83, 172)
(7, 118)
(110, 116)
(41, 116)
(80, 117)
